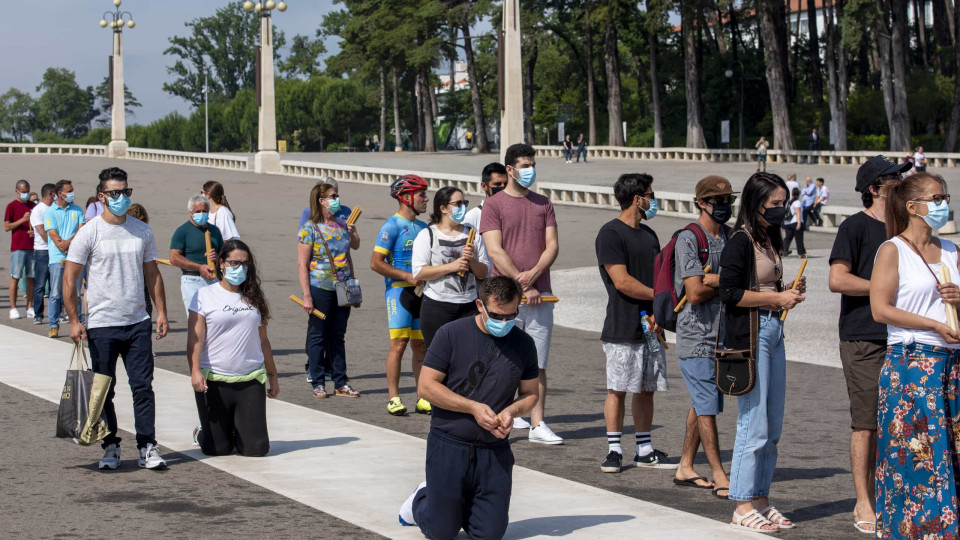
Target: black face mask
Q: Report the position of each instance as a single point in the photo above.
(721, 213)
(774, 216)
(495, 190)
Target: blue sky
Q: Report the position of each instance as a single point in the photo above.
(64, 33)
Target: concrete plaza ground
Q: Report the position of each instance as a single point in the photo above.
(46, 477)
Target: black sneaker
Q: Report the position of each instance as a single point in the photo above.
(612, 463)
(655, 459)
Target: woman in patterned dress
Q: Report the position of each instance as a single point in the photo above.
(919, 412)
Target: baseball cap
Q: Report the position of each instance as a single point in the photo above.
(710, 186)
(876, 167)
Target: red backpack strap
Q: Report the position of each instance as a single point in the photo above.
(703, 248)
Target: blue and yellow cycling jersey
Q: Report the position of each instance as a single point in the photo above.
(395, 241)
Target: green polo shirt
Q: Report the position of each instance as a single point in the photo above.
(189, 239)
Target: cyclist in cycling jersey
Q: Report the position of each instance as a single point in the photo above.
(392, 256)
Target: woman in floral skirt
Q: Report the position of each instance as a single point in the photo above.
(919, 410)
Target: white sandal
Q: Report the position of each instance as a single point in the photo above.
(777, 518)
(858, 526)
(752, 521)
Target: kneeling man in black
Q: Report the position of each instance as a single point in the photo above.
(473, 369)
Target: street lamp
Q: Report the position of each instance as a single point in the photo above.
(729, 74)
(118, 130)
(267, 158)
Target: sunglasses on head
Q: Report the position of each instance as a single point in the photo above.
(115, 193)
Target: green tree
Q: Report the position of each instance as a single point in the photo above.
(304, 57)
(63, 108)
(222, 44)
(16, 114)
(102, 103)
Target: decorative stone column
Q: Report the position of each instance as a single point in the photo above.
(118, 119)
(511, 118)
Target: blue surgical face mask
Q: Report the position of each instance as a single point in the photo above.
(24, 197)
(937, 215)
(458, 214)
(118, 206)
(334, 206)
(649, 213)
(70, 197)
(200, 218)
(495, 327)
(527, 177)
(235, 275)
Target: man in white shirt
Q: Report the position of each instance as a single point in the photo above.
(41, 256)
(792, 183)
(492, 180)
(919, 160)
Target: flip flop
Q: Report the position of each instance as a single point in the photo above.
(692, 482)
(716, 492)
(858, 524)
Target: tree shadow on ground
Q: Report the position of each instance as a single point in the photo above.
(823, 510)
(558, 525)
(783, 474)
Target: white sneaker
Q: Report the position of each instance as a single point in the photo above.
(196, 435)
(30, 313)
(406, 510)
(65, 319)
(520, 423)
(544, 435)
(15, 314)
(111, 457)
(150, 458)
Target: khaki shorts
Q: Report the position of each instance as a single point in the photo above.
(862, 361)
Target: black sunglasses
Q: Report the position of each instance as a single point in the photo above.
(728, 199)
(501, 316)
(464, 203)
(115, 193)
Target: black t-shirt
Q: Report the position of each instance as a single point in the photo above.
(480, 367)
(857, 241)
(619, 243)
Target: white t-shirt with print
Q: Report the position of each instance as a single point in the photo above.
(232, 343)
(446, 249)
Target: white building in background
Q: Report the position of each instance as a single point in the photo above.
(461, 80)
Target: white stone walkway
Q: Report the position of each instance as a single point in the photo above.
(308, 446)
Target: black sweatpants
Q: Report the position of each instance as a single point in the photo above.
(468, 487)
(233, 415)
(434, 314)
(791, 232)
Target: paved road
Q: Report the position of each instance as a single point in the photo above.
(676, 176)
(812, 483)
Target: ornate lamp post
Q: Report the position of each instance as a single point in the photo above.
(511, 81)
(116, 20)
(267, 159)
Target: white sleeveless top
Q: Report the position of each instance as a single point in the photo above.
(917, 292)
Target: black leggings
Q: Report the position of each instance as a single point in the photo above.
(791, 232)
(434, 314)
(233, 415)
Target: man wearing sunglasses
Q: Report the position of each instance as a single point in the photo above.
(474, 368)
(863, 341)
(697, 325)
(121, 254)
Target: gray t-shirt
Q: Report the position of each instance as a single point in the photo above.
(696, 324)
(114, 255)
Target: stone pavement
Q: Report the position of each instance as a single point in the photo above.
(812, 483)
(674, 176)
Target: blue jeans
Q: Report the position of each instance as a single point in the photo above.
(326, 348)
(568, 154)
(133, 343)
(56, 294)
(41, 271)
(761, 417)
(189, 285)
(583, 152)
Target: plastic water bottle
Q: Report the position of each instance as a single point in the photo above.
(653, 342)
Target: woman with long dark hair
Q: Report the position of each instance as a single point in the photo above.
(752, 291)
(440, 252)
(917, 428)
(231, 362)
(221, 214)
(793, 226)
(323, 259)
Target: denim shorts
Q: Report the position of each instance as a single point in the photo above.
(21, 261)
(698, 375)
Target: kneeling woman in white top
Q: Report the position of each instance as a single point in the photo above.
(440, 252)
(230, 357)
(917, 435)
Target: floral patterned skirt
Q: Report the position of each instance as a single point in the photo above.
(918, 469)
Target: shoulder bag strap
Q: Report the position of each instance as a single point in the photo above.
(333, 265)
(924, 261)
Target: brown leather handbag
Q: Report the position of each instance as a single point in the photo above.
(735, 369)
